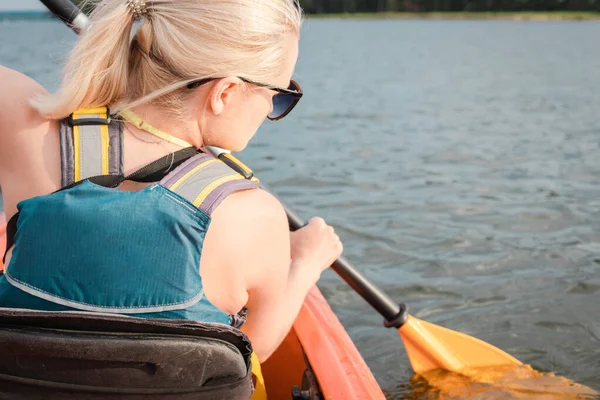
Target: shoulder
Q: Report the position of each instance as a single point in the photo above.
(252, 221)
(15, 79)
(17, 90)
(23, 131)
(18, 86)
(252, 205)
(247, 246)
(16, 114)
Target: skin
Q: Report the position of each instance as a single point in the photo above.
(270, 272)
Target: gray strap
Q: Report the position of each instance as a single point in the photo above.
(115, 149)
(90, 149)
(66, 153)
(205, 181)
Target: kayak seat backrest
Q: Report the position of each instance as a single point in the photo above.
(57, 355)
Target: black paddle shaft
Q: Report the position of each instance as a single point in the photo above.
(68, 12)
(395, 314)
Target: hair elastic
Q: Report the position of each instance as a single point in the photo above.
(138, 8)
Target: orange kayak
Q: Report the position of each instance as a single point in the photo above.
(317, 346)
(338, 367)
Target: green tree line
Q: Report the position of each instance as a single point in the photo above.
(352, 6)
(373, 6)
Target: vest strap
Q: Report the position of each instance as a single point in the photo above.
(91, 145)
(149, 173)
(238, 166)
(206, 181)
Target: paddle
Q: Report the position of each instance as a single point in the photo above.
(428, 346)
(69, 13)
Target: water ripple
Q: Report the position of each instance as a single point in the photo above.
(458, 161)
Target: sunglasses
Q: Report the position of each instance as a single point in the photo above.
(283, 102)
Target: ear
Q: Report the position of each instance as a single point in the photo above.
(222, 93)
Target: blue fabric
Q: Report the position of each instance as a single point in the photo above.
(135, 253)
(11, 297)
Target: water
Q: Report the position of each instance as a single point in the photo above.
(459, 162)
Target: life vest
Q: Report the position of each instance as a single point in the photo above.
(91, 247)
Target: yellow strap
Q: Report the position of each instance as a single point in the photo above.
(105, 146)
(260, 390)
(180, 181)
(213, 185)
(241, 165)
(77, 152)
(97, 110)
(237, 162)
(134, 119)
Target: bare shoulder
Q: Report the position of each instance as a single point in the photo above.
(251, 222)
(11, 79)
(29, 143)
(253, 205)
(247, 247)
(17, 89)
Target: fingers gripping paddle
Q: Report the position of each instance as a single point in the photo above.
(429, 346)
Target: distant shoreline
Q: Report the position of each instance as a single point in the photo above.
(475, 15)
(450, 15)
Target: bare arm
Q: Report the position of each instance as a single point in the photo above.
(29, 155)
(247, 261)
(16, 114)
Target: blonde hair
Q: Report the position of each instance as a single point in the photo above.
(177, 42)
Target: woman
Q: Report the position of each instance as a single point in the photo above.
(194, 72)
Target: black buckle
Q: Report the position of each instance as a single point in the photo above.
(235, 166)
(88, 121)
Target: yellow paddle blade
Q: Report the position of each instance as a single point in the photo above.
(461, 366)
(505, 382)
(432, 347)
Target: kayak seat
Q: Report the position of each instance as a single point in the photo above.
(80, 355)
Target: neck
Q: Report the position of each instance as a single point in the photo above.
(184, 128)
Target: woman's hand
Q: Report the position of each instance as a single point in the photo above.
(314, 247)
(249, 266)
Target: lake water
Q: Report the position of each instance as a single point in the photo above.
(460, 163)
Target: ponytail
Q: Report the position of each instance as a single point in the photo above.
(178, 41)
(97, 69)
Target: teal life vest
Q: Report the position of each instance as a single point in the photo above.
(92, 247)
